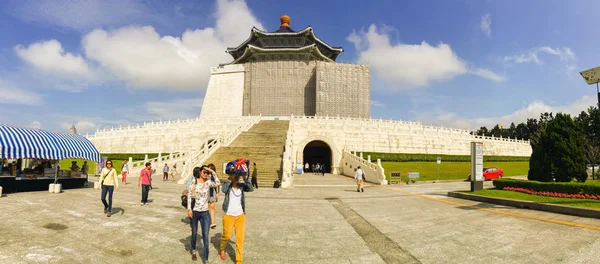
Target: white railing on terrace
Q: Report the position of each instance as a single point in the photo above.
(169, 122)
(198, 157)
(288, 163)
(376, 170)
(142, 163)
(440, 128)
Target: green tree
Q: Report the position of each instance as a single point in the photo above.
(589, 127)
(559, 152)
(521, 131)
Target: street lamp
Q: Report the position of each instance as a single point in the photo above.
(592, 76)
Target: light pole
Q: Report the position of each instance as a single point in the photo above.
(592, 76)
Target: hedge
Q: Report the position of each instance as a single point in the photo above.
(559, 187)
(134, 156)
(408, 157)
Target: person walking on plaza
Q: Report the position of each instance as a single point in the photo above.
(145, 181)
(213, 197)
(173, 172)
(166, 172)
(306, 167)
(108, 180)
(234, 207)
(85, 168)
(198, 209)
(124, 171)
(254, 175)
(359, 177)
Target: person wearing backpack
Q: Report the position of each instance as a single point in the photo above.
(197, 206)
(108, 180)
(234, 206)
(359, 177)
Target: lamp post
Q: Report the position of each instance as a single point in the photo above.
(592, 76)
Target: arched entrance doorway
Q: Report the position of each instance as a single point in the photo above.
(317, 152)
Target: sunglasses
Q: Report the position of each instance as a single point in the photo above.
(206, 172)
(109, 163)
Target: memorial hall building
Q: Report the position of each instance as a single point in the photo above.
(283, 101)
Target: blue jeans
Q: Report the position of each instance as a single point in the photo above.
(204, 218)
(145, 190)
(107, 189)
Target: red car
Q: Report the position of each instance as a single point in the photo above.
(490, 173)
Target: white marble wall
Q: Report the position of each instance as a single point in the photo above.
(374, 135)
(224, 95)
(168, 136)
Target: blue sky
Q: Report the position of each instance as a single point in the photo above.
(454, 63)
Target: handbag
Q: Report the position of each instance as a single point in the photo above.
(184, 197)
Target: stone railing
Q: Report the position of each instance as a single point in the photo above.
(409, 125)
(374, 173)
(288, 162)
(377, 135)
(159, 159)
(168, 123)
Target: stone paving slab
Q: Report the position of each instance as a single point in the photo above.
(297, 225)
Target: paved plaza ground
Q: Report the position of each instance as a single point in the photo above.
(321, 220)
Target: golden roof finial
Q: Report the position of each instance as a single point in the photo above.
(285, 21)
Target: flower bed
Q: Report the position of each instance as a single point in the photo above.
(553, 194)
(551, 187)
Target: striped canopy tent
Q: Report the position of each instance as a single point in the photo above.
(30, 143)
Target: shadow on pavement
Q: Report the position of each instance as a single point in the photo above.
(216, 241)
(117, 210)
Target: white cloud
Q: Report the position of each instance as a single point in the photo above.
(566, 56)
(80, 15)
(532, 110)
(181, 108)
(376, 103)
(83, 126)
(10, 94)
(411, 65)
(487, 74)
(35, 124)
(49, 56)
(145, 59)
(486, 22)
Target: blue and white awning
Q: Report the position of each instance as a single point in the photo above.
(30, 143)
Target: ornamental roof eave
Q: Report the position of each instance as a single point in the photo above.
(255, 32)
(251, 49)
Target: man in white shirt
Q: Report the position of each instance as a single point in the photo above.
(359, 177)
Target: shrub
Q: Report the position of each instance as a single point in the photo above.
(559, 155)
(559, 187)
(411, 157)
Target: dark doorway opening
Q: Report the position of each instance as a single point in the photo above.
(317, 152)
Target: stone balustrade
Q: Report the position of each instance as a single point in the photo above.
(378, 135)
(166, 136)
(374, 172)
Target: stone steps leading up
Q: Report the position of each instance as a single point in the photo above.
(262, 144)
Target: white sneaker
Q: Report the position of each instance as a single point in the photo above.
(145, 203)
(141, 204)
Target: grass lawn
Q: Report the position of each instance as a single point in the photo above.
(537, 198)
(66, 164)
(450, 170)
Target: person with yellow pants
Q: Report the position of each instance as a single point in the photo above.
(234, 207)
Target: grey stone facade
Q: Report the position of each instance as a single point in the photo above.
(343, 90)
(286, 87)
